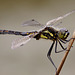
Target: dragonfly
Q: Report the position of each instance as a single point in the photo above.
(48, 32)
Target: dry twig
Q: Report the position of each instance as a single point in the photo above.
(66, 54)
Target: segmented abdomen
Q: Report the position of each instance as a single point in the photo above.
(16, 32)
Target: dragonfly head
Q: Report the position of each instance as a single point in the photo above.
(63, 33)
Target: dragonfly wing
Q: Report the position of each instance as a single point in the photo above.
(31, 23)
(51, 22)
(21, 41)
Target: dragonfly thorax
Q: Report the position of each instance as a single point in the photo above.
(47, 33)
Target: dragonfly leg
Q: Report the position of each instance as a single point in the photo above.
(63, 41)
(49, 53)
(69, 39)
(61, 47)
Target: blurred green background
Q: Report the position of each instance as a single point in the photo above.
(31, 59)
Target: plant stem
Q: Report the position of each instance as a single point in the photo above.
(66, 54)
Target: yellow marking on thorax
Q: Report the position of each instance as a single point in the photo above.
(44, 37)
(49, 33)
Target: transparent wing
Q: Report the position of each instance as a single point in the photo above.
(21, 41)
(32, 23)
(51, 22)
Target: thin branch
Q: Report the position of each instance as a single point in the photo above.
(66, 54)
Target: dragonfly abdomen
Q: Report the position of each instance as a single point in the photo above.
(16, 32)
